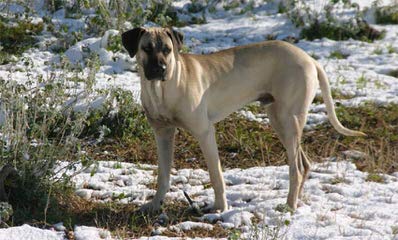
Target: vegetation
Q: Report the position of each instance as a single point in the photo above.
(342, 31)
(387, 14)
(338, 55)
(317, 25)
(15, 39)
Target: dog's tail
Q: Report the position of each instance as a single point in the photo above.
(327, 98)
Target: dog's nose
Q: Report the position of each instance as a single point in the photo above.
(161, 69)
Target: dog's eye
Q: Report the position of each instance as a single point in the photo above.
(147, 49)
(166, 50)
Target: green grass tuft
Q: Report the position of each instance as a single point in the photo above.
(374, 177)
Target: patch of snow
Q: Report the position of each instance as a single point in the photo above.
(86, 233)
(188, 225)
(27, 232)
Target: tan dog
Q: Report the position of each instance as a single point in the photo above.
(196, 91)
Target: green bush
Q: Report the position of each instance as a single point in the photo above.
(387, 15)
(136, 12)
(317, 25)
(342, 31)
(15, 39)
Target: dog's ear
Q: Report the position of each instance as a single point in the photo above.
(131, 38)
(177, 38)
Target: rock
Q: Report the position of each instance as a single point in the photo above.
(84, 193)
(354, 154)
(120, 183)
(59, 226)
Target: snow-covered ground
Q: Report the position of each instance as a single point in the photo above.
(338, 202)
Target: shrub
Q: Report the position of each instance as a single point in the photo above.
(360, 30)
(134, 11)
(39, 128)
(338, 55)
(322, 24)
(387, 15)
(15, 39)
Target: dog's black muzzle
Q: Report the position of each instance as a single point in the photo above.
(157, 72)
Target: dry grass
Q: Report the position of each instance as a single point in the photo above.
(243, 143)
(124, 221)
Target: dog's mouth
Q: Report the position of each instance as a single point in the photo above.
(156, 78)
(150, 76)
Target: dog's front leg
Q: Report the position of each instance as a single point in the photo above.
(165, 150)
(207, 141)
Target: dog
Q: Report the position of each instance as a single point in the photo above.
(196, 91)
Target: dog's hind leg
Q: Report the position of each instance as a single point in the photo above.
(307, 167)
(289, 128)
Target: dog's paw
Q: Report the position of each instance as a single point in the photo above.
(151, 207)
(214, 208)
(220, 205)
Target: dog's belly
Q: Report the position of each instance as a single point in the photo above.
(231, 99)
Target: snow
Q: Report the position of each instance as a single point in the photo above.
(27, 232)
(346, 207)
(188, 225)
(338, 203)
(83, 232)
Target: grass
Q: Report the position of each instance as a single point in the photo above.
(124, 221)
(337, 180)
(387, 14)
(243, 143)
(338, 55)
(374, 177)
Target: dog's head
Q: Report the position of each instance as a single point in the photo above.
(156, 50)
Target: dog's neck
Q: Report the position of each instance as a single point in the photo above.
(157, 96)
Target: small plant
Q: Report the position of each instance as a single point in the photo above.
(337, 180)
(195, 7)
(232, 5)
(338, 55)
(379, 84)
(274, 232)
(375, 177)
(248, 8)
(185, 49)
(387, 14)
(114, 43)
(378, 51)
(234, 235)
(391, 49)
(362, 82)
(393, 73)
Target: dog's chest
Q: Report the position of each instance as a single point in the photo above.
(155, 103)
